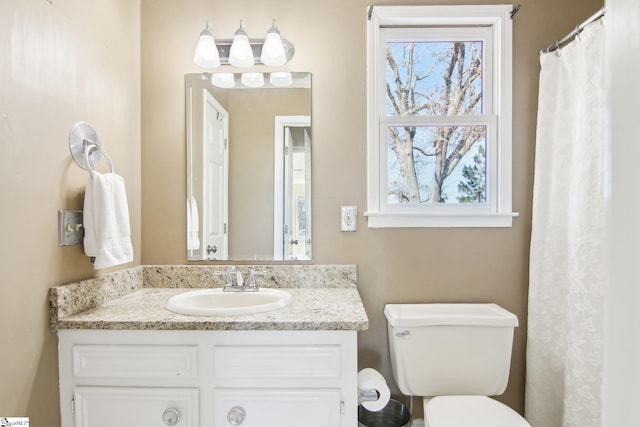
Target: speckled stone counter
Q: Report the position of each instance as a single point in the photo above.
(324, 298)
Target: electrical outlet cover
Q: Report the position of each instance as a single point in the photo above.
(348, 218)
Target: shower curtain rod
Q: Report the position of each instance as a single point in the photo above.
(555, 46)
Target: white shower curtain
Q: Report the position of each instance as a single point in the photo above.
(568, 258)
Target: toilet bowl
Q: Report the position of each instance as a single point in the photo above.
(454, 356)
(467, 411)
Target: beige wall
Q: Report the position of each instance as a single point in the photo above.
(61, 61)
(394, 265)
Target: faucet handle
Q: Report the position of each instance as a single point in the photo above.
(252, 276)
(231, 271)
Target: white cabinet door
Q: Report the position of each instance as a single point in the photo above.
(136, 407)
(277, 408)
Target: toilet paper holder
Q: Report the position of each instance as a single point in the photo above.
(369, 395)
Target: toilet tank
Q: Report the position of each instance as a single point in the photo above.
(450, 349)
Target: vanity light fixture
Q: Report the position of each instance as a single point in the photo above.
(206, 54)
(252, 79)
(281, 79)
(273, 53)
(223, 80)
(241, 54)
(241, 51)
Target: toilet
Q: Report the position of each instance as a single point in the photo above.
(454, 356)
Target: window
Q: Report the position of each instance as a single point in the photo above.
(439, 116)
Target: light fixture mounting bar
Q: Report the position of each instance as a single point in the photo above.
(224, 46)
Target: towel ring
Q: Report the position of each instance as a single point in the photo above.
(85, 147)
(91, 147)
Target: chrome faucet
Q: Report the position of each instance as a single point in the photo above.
(240, 285)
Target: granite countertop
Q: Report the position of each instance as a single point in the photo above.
(121, 302)
(311, 309)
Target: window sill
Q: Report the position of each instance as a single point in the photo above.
(406, 220)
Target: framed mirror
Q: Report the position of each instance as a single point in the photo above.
(248, 170)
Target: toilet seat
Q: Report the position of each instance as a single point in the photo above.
(470, 411)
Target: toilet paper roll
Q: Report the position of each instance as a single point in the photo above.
(370, 380)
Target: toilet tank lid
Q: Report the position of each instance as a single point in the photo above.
(406, 315)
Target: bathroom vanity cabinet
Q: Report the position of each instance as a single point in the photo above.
(208, 378)
(127, 361)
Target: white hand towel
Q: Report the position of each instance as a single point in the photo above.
(193, 225)
(107, 233)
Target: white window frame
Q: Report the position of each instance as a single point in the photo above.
(492, 23)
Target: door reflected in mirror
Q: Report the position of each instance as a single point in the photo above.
(248, 171)
(292, 188)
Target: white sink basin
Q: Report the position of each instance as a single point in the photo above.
(216, 302)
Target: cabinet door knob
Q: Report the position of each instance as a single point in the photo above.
(171, 416)
(236, 415)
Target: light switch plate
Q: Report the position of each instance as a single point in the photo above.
(348, 218)
(70, 230)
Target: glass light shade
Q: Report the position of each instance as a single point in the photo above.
(223, 80)
(273, 53)
(281, 79)
(252, 79)
(241, 54)
(206, 54)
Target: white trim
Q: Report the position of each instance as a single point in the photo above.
(449, 219)
(440, 15)
(428, 121)
(497, 212)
